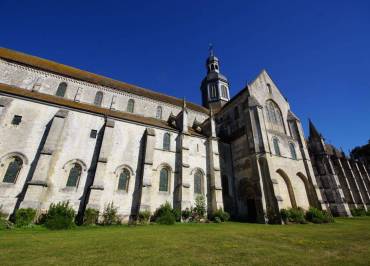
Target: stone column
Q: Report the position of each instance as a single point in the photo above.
(345, 183)
(185, 184)
(38, 186)
(96, 190)
(146, 191)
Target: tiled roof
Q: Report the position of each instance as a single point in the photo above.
(82, 75)
(63, 102)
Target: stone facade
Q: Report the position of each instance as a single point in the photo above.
(69, 135)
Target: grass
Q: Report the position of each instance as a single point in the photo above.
(346, 242)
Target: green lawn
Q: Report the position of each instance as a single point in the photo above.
(346, 242)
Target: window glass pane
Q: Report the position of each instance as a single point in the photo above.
(74, 175)
(13, 170)
(163, 180)
(198, 183)
(292, 151)
(166, 141)
(123, 180)
(17, 119)
(130, 106)
(61, 91)
(98, 98)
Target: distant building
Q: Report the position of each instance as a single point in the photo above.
(70, 135)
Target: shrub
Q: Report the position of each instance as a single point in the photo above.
(318, 217)
(368, 213)
(144, 217)
(177, 213)
(293, 215)
(221, 215)
(200, 206)
(110, 216)
(165, 214)
(91, 216)
(217, 220)
(358, 212)
(186, 214)
(24, 217)
(60, 216)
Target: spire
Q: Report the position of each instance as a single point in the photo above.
(314, 133)
(210, 49)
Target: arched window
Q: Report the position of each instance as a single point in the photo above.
(130, 106)
(213, 91)
(276, 146)
(198, 183)
(14, 167)
(62, 88)
(163, 180)
(224, 92)
(74, 175)
(98, 98)
(292, 151)
(236, 112)
(123, 181)
(159, 112)
(212, 67)
(167, 141)
(274, 116)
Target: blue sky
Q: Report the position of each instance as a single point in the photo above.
(318, 52)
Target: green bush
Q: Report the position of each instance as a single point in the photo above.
(24, 217)
(91, 216)
(167, 218)
(358, 212)
(200, 207)
(186, 214)
(368, 213)
(317, 216)
(165, 214)
(60, 216)
(293, 215)
(110, 216)
(221, 215)
(177, 213)
(217, 220)
(144, 217)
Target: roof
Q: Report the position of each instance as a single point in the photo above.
(71, 72)
(63, 102)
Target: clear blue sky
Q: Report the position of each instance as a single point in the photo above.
(318, 52)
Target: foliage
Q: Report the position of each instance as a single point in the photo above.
(186, 214)
(293, 215)
(217, 220)
(110, 216)
(60, 216)
(317, 216)
(200, 206)
(220, 215)
(358, 212)
(361, 153)
(165, 214)
(368, 213)
(144, 216)
(177, 213)
(91, 216)
(24, 217)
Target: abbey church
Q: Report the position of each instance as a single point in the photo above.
(70, 135)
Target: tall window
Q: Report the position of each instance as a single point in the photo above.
(274, 116)
(74, 175)
(163, 180)
(167, 141)
(13, 170)
(62, 88)
(159, 112)
(213, 91)
(98, 98)
(276, 146)
(130, 106)
(198, 183)
(123, 181)
(292, 151)
(224, 92)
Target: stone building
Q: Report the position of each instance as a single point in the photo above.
(344, 183)
(70, 135)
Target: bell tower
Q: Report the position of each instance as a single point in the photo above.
(215, 86)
